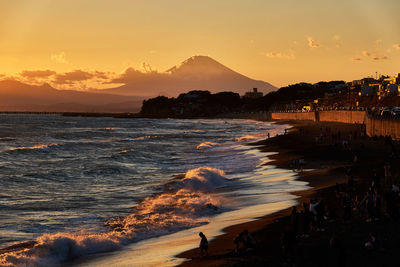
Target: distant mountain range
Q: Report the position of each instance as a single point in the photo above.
(195, 73)
(17, 96)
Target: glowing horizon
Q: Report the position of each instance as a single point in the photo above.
(280, 42)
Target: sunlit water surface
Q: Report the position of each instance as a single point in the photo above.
(85, 186)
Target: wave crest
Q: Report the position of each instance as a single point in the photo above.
(204, 178)
(51, 249)
(161, 214)
(207, 144)
(247, 137)
(38, 148)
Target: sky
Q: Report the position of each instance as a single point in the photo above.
(84, 43)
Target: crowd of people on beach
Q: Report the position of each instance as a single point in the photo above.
(368, 199)
(380, 199)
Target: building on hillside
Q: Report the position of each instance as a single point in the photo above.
(389, 80)
(339, 87)
(358, 84)
(369, 90)
(393, 89)
(253, 94)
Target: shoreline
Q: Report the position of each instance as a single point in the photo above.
(329, 165)
(279, 160)
(325, 167)
(30, 244)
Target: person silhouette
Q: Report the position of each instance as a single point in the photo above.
(203, 244)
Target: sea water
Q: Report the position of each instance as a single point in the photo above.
(83, 186)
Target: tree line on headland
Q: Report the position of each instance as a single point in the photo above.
(321, 95)
(205, 104)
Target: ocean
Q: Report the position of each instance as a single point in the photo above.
(81, 187)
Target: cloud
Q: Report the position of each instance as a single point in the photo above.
(60, 58)
(366, 54)
(290, 56)
(37, 73)
(356, 59)
(131, 75)
(373, 56)
(336, 37)
(73, 76)
(101, 75)
(312, 43)
(396, 46)
(379, 58)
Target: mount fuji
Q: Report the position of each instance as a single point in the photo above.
(195, 73)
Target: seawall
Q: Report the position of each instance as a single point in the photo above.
(374, 125)
(344, 116)
(308, 116)
(382, 127)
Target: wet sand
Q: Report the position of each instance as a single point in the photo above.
(328, 163)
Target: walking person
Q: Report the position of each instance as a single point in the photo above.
(203, 244)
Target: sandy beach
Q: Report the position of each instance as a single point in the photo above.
(327, 161)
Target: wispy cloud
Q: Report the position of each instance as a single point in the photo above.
(356, 59)
(396, 46)
(60, 58)
(312, 43)
(373, 55)
(290, 56)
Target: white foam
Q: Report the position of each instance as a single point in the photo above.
(157, 215)
(54, 248)
(204, 178)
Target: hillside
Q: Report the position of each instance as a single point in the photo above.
(17, 96)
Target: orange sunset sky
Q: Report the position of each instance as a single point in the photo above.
(279, 41)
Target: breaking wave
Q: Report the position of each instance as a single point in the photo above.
(205, 145)
(139, 138)
(182, 205)
(126, 151)
(37, 148)
(249, 137)
(204, 178)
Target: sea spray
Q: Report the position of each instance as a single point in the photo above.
(83, 181)
(204, 178)
(157, 215)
